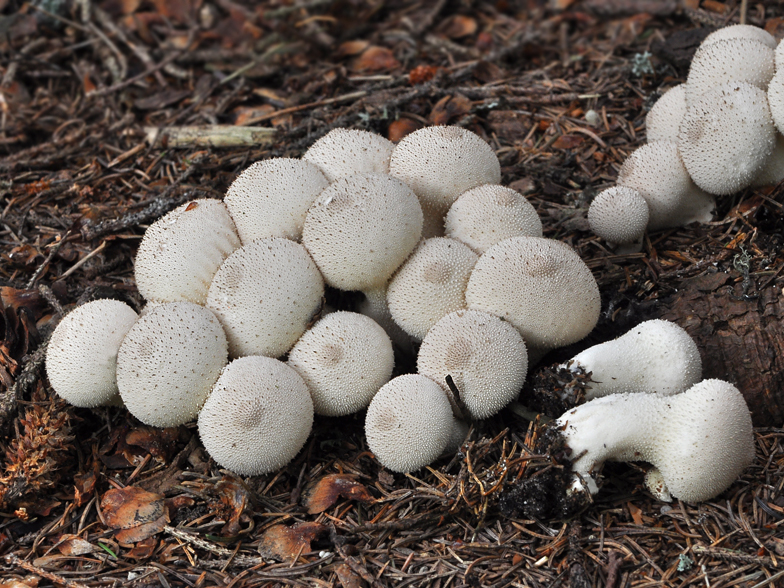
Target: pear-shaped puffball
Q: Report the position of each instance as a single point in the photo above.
(700, 440)
(344, 359)
(726, 137)
(409, 423)
(265, 295)
(257, 417)
(485, 356)
(483, 216)
(272, 197)
(440, 163)
(81, 359)
(664, 118)
(343, 152)
(773, 170)
(181, 252)
(741, 31)
(430, 284)
(657, 172)
(168, 362)
(729, 60)
(776, 98)
(656, 356)
(541, 286)
(619, 215)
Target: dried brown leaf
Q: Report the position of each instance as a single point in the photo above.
(375, 59)
(449, 107)
(459, 26)
(325, 492)
(402, 127)
(286, 543)
(347, 578)
(75, 545)
(125, 508)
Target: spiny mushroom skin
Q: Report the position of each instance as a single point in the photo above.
(619, 215)
(485, 356)
(729, 60)
(780, 56)
(741, 31)
(440, 163)
(726, 137)
(539, 285)
(265, 295)
(168, 362)
(181, 252)
(483, 216)
(430, 284)
(271, 198)
(656, 356)
(81, 358)
(409, 423)
(776, 98)
(257, 417)
(773, 170)
(700, 440)
(657, 172)
(344, 359)
(663, 120)
(343, 152)
(457, 437)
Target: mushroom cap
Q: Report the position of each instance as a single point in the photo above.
(168, 362)
(539, 285)
(741, 31)
(181, 252)
(361, 229)
(729, 60)
(81, 358)
(409, 423)
(343, 152)
(265, 295)
(773, 170)
(656, 356)
(485, 215)
(776, 99)
(271, 198)
(485, 356)
(344, 359)
(619, 215)
(257, 417)
(664, 118)
(430, 284)
(726, 137)
(657, 172)
(779, 56)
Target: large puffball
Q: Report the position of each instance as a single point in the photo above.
(81, 358)
(776, 98)
(181, 252)
(663, 120)
(343, 152)
(741, 31)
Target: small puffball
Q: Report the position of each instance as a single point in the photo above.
(741, 31)
(483, 216)
(663, 120)
(168, 362)
(81, 358)
(409, 423)
(344, 359)
(619, 215)
(257, 417)
(271, 198)
(343, 152)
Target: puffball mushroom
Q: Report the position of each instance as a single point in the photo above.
(430, 284)
(699, 441)
(344, 359)
(776, 98)
(773, 170)
(265, 295)
(657, 172)
(271, 198)
(81, 358)
(343, 152)
(168, 362)
(741, 31)
(656, 356)
(663, 120)
(726, 137)
(440, 163)
(485, 356)
(257, 417)
(483, 216)
(539, 285)
(619, 215)
(180, 252)
(409, 423)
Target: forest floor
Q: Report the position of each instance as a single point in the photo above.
(94, 97)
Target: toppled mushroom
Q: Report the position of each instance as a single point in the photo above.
(663, 120)
(620, 216)
(343, 152)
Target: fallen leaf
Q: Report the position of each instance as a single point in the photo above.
(75, 545)
(286, 543)
(486, 72)
(636, 513)
(459, 26)
(325, 492)
(347, 577)
(568, 141)
(449, 107)
(402, 127)
(351, 48)
(160, 443)
(141, 532)
(129, 507)
(143, 549)
(234, 497)
(375, 59)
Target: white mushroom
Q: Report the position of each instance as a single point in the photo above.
(780, 56)
(81, 358)
(181, 252)
(343, 152)
(168, 362)
(257, 417)
(776, 98)
(741, 31)
(620, 215)
(699, 441)
(344, 359)
(773, 170)
(271, 198)
(656, 356)
(483, 216)
(663, 120)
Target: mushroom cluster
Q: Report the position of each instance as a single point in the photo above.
(718, 133)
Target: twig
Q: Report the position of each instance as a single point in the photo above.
(14, 560)
(27, 377)
(83, 260)
(52, 252)
(733, 556)
(344, 98)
